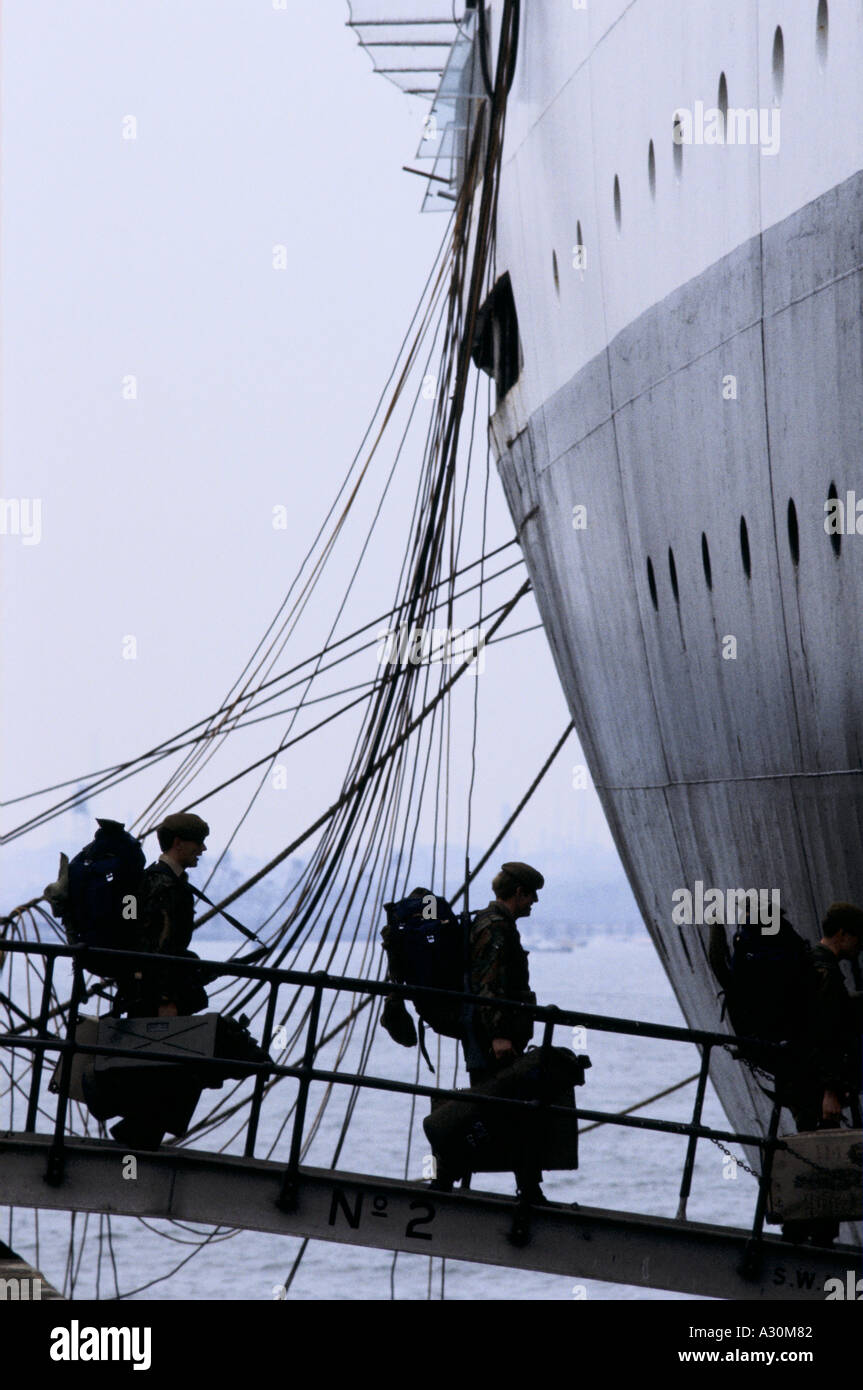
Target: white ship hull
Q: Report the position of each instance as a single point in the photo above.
(704, 366)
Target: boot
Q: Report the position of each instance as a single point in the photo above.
(532, 1193)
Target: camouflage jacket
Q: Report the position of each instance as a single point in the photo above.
(166, 920)
(499, 970)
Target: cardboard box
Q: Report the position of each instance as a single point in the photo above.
(818, 1176)
(177, 1039)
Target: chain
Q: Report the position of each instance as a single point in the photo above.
(753, 1067)
(757, 1071)
(739, 1161)
(780, 1144)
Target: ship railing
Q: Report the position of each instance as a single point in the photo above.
(99, 960)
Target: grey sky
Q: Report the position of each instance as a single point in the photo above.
(153, 257)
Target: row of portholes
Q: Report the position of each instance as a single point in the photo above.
(822, 22)
(745, 553)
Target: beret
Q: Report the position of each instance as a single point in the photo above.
(186, 826)
(845, 917)
(524, 874)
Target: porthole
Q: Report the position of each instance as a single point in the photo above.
(744, 548)
(778, 64)
(617, 201)
(677, 144)
(672, 574)
(835, 536)
(722, 100)
(651, 169)
(793, 532)
(554, 271)
(705, 560)
(651, 583)
(822, 24)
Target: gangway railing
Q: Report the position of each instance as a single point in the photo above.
(95, 960)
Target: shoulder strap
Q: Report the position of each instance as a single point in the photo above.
(423, 1048)
(227, 916)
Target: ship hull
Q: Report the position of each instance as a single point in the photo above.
(705, 626)
(733, 765)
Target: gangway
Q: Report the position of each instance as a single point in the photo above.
(389, 1214)
(64, 1172)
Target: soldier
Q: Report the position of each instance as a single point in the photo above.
(166, 913)
(826, 1058)
(496, 1036)
(829, 1076)
(148, 1103)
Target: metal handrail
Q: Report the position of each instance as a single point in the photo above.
(85, 957)
(543, 1013)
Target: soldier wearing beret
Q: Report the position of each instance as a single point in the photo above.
(166, 920)
(499, 970)
(826, 1056)
(829, 1072)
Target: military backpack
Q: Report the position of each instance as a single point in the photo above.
(96, 894)
(766, 979)
(426, 944)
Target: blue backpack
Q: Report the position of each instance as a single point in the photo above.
(103, 883)
(427, 944)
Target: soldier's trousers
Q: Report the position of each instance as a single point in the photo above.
(527, 1175)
